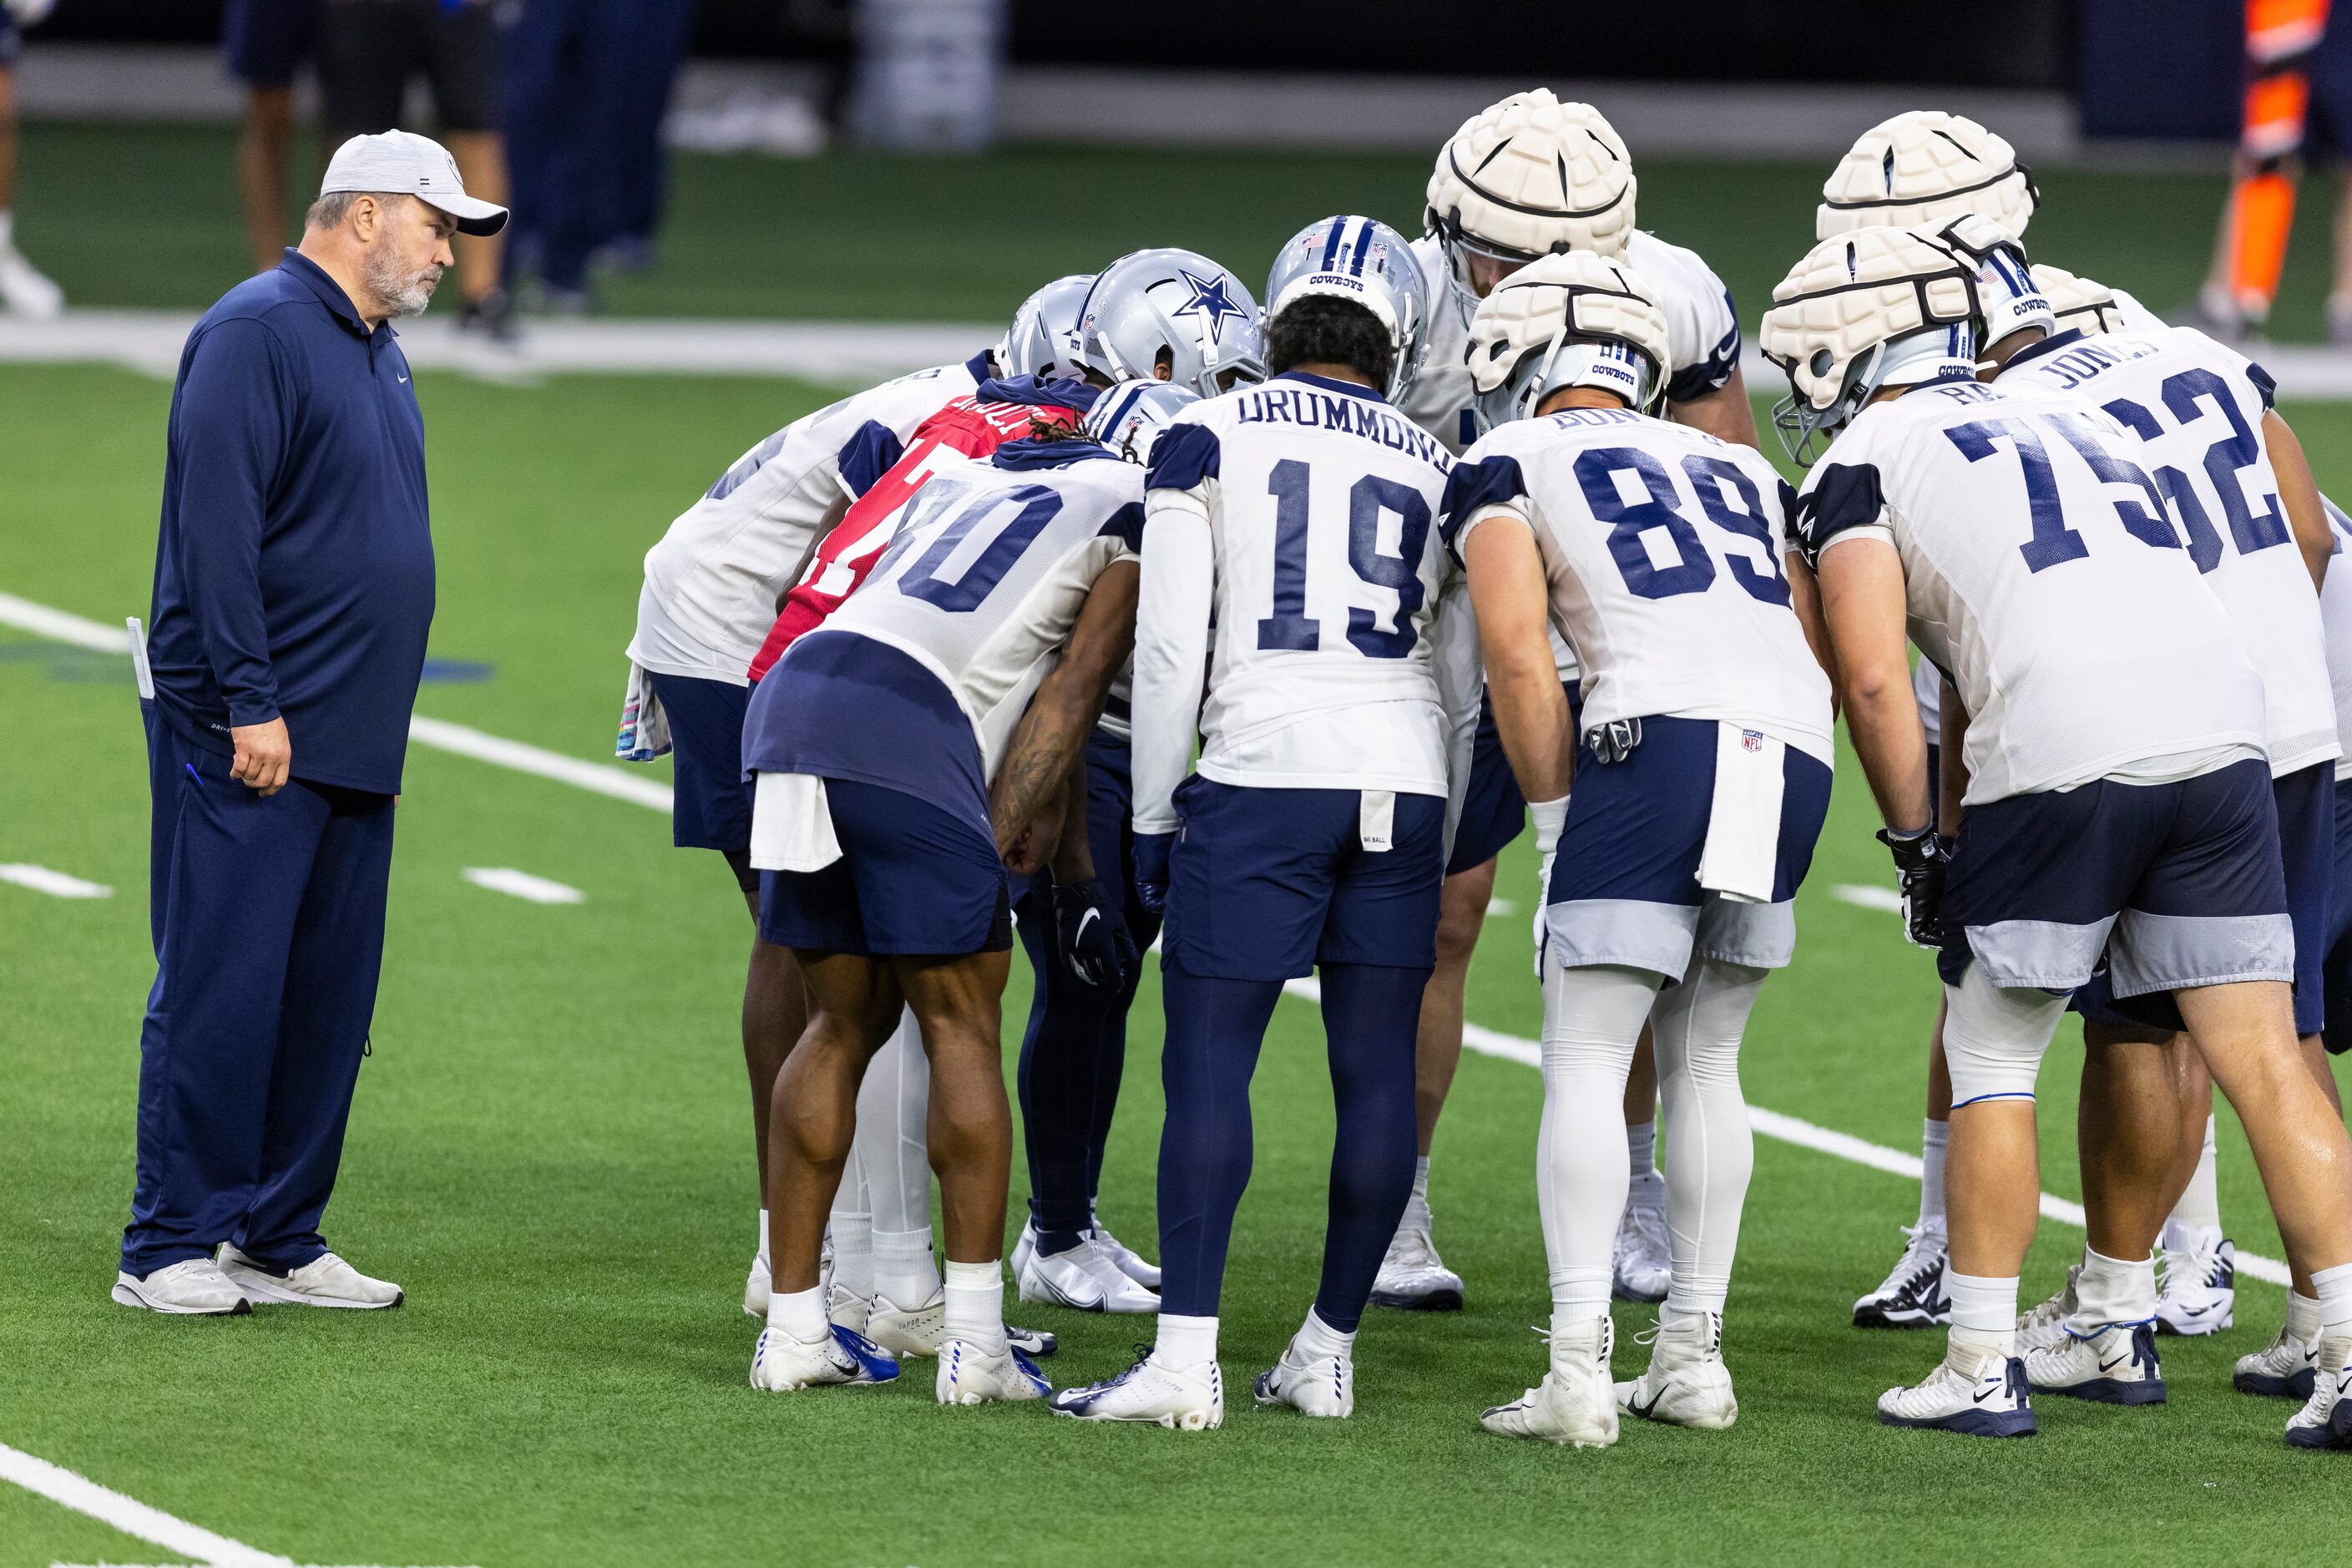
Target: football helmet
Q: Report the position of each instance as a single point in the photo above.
(2006, 293)
(1173, 302)
(1927, 167)
(1130, 416)
(1039, 342)
(2079, 303)
(1364, 262)
(1530, 176)
(1573, 320)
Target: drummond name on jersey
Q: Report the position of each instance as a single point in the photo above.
(1310, 409)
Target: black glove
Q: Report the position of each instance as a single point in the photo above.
(1090, 936)
(1921, 859)
(1153, 853)
(1614, 741)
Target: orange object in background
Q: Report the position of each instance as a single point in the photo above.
(2280, 37)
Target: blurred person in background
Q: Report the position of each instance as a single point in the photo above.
(368, 52)
(265, 43)
(23, 288)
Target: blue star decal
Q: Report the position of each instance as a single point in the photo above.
(1209, 298)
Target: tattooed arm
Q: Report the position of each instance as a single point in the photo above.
(1047, 745)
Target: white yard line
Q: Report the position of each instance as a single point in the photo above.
(56, 883)
(521, 885)
(1869, 898)
(129, 1516)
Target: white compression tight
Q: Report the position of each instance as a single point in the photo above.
(1697, 1027)
(886, 1189)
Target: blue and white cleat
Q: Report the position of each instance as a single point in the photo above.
(2325, 1419)
(2285, 1369)
(920, 1331)
(1913, 1296)
(1314, 1386)
(1974, 1393)
(2117, 1365)
(2199, 1290)
(781, 1361)
(2042, 1325)
(1181, 1398)
(971, 1375)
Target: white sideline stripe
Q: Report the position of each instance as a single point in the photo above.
(56, 883)
(1792, 1130)
(1886, 898)
(522, 884)
(60, 625)
(129, 1515)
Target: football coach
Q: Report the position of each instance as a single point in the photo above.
(293, 591)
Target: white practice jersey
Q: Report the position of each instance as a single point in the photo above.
(988, 570)
(2043, 574)
(716, 580)
(2336, 621)
(1663, 547)
(1928, 691)
(1291, 554)
(1702, 334)
(2197, 408)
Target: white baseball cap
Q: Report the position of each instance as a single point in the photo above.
(394, 161)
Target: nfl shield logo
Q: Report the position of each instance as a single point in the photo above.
(1750, 740)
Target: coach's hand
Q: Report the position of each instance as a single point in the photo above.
(1091, 936)
(1152, 852)
(1921, 859)
(265, 756)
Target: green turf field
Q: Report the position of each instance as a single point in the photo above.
(870, 237)
(551, 1152)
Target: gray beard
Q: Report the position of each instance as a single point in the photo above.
(401, 295)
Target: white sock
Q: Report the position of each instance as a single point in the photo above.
(1416, 1207)
(1984, 1312)
(1592, 1019)
(975, 1311)
(853, 1252)
(1642, 1185)
(2200, 1206)
(2332, 1287)
(1933, 1136)
(763, 1238)
(2112, 1290)
(904, 1272)
(1184, 1342)
(2302, 1316)
(801, 1314)
(1317, 1339)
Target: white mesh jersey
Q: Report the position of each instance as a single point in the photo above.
(2336, 620)
(2197, 408)
(2042, 572)
(1663, 547)
(989, 569)
(1291, 554)
(714, 583)
(1702, 334)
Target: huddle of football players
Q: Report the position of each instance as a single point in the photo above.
(1253, 637)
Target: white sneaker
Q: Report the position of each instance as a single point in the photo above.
(1025, 1249)
(779, 1361)
(756, 1288)
(1639, 1262)
(24, 290)
(921, 1330)
(847, 1309)
(2285, 1369)
(1318, 1386)
(2117, 1365)
(2197, 1283)
(196, 1287)
(1412, 1278)
(970, 1375)
(1914, 1295)
(1973, 1393)
(1124, 1258)
(1576, 1404)
(1083, 1279)
(1181, 1398)
(2325, 1419)
(1688, 1383)
(2043, 1326)
(325, 1281)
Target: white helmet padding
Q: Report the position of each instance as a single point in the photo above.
(1927, 167)
(1531, 176)
(1571, 320)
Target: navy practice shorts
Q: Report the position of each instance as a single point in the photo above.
(2180, 884)
(1493, 810)
(266, 41)
(2337, 963)
(1267, 883)
(712, 809)
(1625, 885)
(911, 879)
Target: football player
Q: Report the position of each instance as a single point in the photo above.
(2118, 800)
(1528, 177)
(1702, 778)
(1291, 535)
(905, 751)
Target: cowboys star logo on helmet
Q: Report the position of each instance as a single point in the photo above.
(1171, 315)
(1925, 167)
(1211, 302)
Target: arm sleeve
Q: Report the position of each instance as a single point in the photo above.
(1841, 500)
(232, 436)
(1172, 647)
(1474, 490)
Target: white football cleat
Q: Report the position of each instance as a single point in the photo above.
(1688, 1383)
(1576, 1402)
(921, 1330)
(779, 1361)
(26, 291)
(196, 1287)
(2043, 1325)
(1181, 1398)
(1084, 1280)
(1639, 1265)
(2325, 1419)
(2117, 1365)
(2285, 1369)
(1974, 1393)
(1913, 1296)
(2198, 1282)
(1318, 1385)
(847, 1309)
(757, 1288)
(1412, 1278)
(970, 1375)
(1125, 1258)
(325, 1281)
